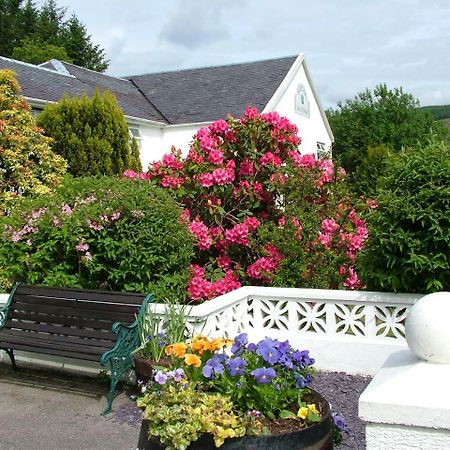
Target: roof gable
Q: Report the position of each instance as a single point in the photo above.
(207, 94)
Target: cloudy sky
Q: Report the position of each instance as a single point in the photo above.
(348, 44)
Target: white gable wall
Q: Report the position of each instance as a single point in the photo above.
(311, 129)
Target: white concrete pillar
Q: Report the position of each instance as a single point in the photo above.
(407, 404)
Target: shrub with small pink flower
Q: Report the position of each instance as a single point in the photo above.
(234, 184)
(102, 234)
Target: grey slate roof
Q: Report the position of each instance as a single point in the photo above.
(41, 82)
(206, 94)
(183, 96)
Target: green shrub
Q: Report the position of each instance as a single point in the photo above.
(409, 245)
(91, 133)
(99, 233)
(27, 164)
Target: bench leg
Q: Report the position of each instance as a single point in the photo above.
(11, 357)
(116, 372)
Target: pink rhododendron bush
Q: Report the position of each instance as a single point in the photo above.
(260, 212)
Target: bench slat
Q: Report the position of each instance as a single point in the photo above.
(96, 324)
(34, 339)
(91, 310)
(84, 356)
(61, 330)
(82, 294)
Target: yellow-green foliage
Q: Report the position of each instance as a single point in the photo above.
(28, 166)
(90, 132)
(180, 416)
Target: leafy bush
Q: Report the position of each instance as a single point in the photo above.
(409, 245)
(91, 133)
(27, 164)
(321, 231)
(231, 185)
(99, 233)
(382, 117)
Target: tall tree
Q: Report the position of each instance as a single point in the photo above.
(50, 22)
(28, 20)
(79, 47)
(9, 25)
(374, 119)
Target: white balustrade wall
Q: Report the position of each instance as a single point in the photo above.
(349, 331)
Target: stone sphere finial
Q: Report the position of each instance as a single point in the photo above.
(428, 328)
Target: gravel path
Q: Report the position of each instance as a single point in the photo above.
(343, 391)
(340, 389)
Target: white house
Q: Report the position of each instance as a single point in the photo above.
(165, 109)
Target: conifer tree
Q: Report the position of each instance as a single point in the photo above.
(27, 164)
(91, 133)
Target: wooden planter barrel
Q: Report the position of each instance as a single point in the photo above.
(316, 437)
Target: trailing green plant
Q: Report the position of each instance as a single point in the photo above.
(91, 133)
(99, 233)
(27, 164)
(409, 245)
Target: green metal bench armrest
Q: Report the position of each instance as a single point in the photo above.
(4, 311)
(127, 338)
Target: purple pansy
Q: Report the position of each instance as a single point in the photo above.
(236, 366)
(212, 367)
(239, 343)
(160, 377)
(339, 421)
(267, 349)
(264, 375)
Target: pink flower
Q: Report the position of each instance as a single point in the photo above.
(66, 209)
(302, 160)
(87, 256)
(219, 126)
(224, 261)
(81, 246)
(238, 234)
(281, 222)
(352, 281)
(206, 179)
(246, 168)
(228, 283)
(194, 156)
(215, 157)
(325, 240)
(270, 159)
(200, 231)
(185, 217)
(170, 160)
(129, 174)
(55, 221)
(94, 225)
(115, 216)
(252, 223)
(251, 112)
(223, 176)
(329, 226)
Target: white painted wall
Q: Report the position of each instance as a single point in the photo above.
(312, 128)
(151, 145)
(181, 136)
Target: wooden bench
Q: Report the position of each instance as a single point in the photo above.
(74, 323)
